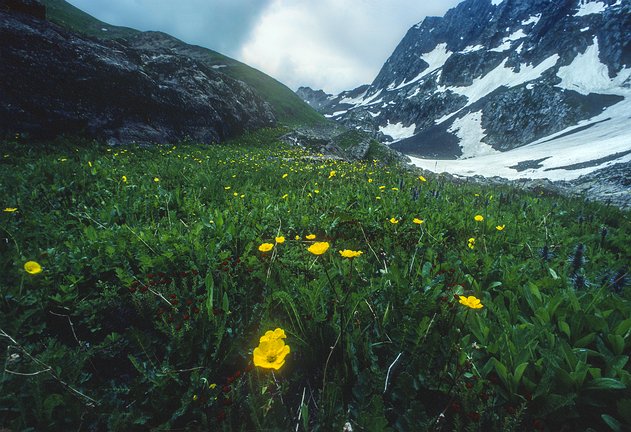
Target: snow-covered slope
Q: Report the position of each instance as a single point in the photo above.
(496, 84)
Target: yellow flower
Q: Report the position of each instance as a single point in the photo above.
(318, 248)
(316, 191)
(471, 301)
(285, 175)
(394, 220)
(235, 194)
(278, 333)
(478, 218)
(500, 227)
(226, 187)
(395, 189)
(369, 180)
(347, 253)
(266, 247)
(297, 237)
(284, 196)
(32, 267)
(156, 179)
(310, 237)
(421, 178)
(90, 164)
(471, 243)
(332, 174)
(10, 209)
(280, 240)
(194, 397)
(418, 221)
(212, 386)
(271, 352)
(382, 187)
(124, 179)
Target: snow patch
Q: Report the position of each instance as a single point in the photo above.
(374, 114)
(586, 74)
(503, 76)
(397, 131)
(506, 42)
(534, 19)
(471, 48)
(435, 59)
(355, 100)
(218, 66)
(613, 136)
(469, 130)
(584, 29)
(335, 114)
(496, 2)
(588, 8)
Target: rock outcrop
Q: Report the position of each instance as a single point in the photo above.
(58, 82)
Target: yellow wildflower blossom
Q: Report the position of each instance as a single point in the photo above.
(310, 236)
(500, 227)
(32, 267)
(394, 220)
(10, 209)
(266, 247)
(347, 253)
(478, 218)
(280, 239)
(471, 243)
(471, 301)
(271, 352)
(318, 248)
(418, 221)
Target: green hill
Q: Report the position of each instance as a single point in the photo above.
(287, 106)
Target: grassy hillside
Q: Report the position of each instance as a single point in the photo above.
(142, 289)
(288, 107)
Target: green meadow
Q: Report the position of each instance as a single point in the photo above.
(139, 286)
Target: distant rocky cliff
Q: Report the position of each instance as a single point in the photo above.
(493, 75)
(56, 82)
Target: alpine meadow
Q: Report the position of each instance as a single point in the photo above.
(188, 245)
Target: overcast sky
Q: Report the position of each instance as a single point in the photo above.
(334, 45)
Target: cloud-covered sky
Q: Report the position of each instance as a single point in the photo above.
(330, 44)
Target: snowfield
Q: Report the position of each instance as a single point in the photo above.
(599, 142)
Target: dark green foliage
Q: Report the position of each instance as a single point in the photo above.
(153, 295)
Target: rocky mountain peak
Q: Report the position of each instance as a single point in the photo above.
(504, 79)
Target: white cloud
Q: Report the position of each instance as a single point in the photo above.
(331, 44)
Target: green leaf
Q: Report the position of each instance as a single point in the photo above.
(565, 328)
(617, 343)
(210, 293)
(225, 304)
(614, 424)
(605, 384)
(519, 371)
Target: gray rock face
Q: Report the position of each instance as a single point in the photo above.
(500, 60)
(57, 82)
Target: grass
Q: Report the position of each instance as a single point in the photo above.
(154, 294)
(288, 108)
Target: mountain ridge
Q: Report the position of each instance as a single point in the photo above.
(491, 77)
(287, 108)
